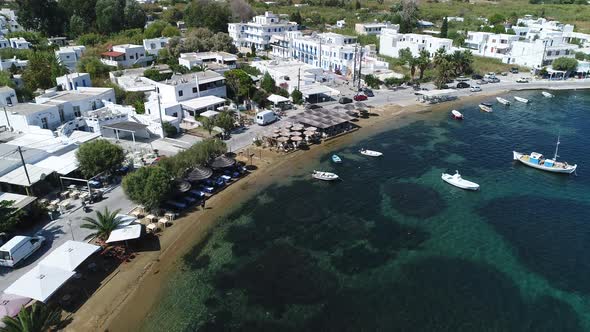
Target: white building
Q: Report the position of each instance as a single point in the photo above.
(21, 117)
(126, 55)
(259, 30)
(4, 43)
(189, 86)
(70, 55)
(19, 43)
(7, 96)
(374, 28)
(77, 101)
(489, 44)
(216, 61)
(540, 52)
(391, 42)
(154, 45)
(329, 51)
(455, 19)
(6, 64)
(9, 21)
(73, 81)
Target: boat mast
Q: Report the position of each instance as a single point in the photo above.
(556, 149)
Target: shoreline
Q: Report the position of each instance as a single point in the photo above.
(127, 296)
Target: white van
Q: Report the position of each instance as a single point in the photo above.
(18, 249)
(266, 117)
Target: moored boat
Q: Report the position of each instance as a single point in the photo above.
(547, 94)
(336, 159)
(371, 153)
(456, 115)
(485, 108)
(457, 181)
(324, 176)
(522, 100)
(536, 160)
(503, 101)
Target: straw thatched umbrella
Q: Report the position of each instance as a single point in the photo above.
(309, 133)
(182, 186)
(349, 107)
(360, 104)
(199, 173)
(275, 135)
(295, 134)
(222, 161)
(311, 128)
(283, 139)
(297, 127)
(297, 138)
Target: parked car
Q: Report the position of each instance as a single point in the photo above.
(18, 249)
(266, 117)
(494, 80)
(313, 106)
(490, 75)
(475, 88)
(522, 80)
(360, 97)
(462, 79)
(514, 70)
(482, 82)
(476, 77)
(344, 100)
(462, 85)
(368, 92)
(504, 73)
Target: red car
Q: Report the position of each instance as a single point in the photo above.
(360, 97)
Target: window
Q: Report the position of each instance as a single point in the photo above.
(549, 53)
(77, 111)
(62, 116)
(180, 92)
(195, 90)
(153, 45)
(44, 123)
(131, 57)
(557, 52)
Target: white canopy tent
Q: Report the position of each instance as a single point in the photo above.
(69, 255)
(275, 99)
(19, 176)
(40, 283)
(129, 232)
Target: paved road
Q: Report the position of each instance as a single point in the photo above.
(58, 232)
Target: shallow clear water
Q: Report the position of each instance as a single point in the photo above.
(393, 248)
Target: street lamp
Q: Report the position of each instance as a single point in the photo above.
(69, 222)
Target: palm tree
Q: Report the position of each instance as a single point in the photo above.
(104, 223)
(423, 62)
(37, 318)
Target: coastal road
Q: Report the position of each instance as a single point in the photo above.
(57, 232)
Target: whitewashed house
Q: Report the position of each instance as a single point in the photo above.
(19, 43)
(4, 43)
(391, 42)
(216, 61)
(73, 81)
(259, 31)
(21, 117)
(9, 21)
(540, 52)
(70, 55)
(374, 28)
(154, 45)
(77, 101)
(7, 96)
(489, 44)
(6, 64)
(126, 55)
(329, 51)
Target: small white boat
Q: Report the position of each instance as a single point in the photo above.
(536, 160)
(503, 101)
(457, 181)
(522, 100)
(547, 94)
(325, 176)
(456, 115)
(485, 108)
(371, 153)
(336, 159)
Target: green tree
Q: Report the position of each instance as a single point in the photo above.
(297, 97)
(36, 318)
(372, 81)
(357, 5)
(405, 55)
(172, 15)
(208, 14)
(99, 156)
(239, 83)
(443, 68)
(77, 26)
(252, 49)
(580, 56)
(10, 216)
(444, 29)
(207, 124)
(226, 122)
(170, 31)
(90, 39)
(423, 62)
(155, 29)
(169, 129)
(496, 19)
(6, 80)
(565, 64)
(134, 15)
(268, 83)
(110, 15)
(93, 66)
(407, 14)
(296, 17)
(42, 70)
(41, 15)
(104, 223)
(461, 62)
(148, 186)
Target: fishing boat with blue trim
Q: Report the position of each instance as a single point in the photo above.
(536, 160)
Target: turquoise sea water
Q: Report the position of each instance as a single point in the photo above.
(393, 248)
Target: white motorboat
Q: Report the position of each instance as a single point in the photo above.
(457, 181)
(503, 101)
(371, 153)
(522, 100)
(536, 160)
(325, 176)
(485, 108)
(456, 115)
(547, 94)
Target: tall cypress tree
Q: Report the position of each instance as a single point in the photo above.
(444, 29)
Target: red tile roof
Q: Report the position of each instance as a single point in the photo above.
(113, 54)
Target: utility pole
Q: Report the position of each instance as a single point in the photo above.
(160, 111)
(360, 64)
(321, 54)
(299, 79)
(354, 67)
(7, 120)
(22, 159)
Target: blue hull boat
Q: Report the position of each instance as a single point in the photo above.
(336, 159)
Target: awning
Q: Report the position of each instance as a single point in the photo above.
(128, 126)
(19, 177)
(64, 164)
(277, 99)
(202, 102)
(129, 232)
(40, 283)
(209, 114)
(435, 93)
(11, 305)
(20, 201)
(125, 219)
(316, 89)
(69, 255)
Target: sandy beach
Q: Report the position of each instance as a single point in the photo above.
(129, 293)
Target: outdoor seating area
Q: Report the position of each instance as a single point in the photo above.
(436, 96)
(73, 196)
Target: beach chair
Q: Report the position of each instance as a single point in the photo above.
(196, 193)
(177, 205)
(226, 178)
(220, 182)
(207, 189)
